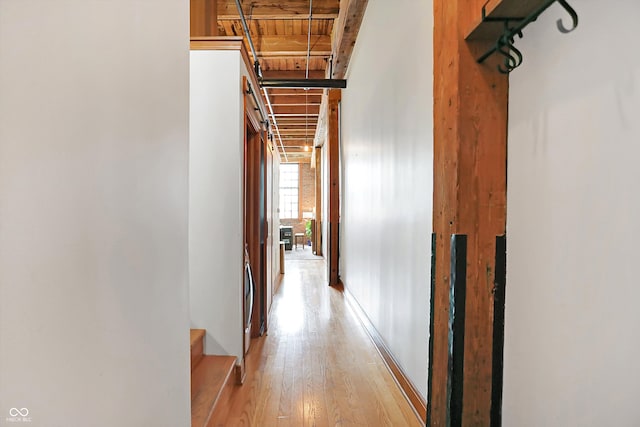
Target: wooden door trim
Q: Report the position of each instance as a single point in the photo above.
(333, 146)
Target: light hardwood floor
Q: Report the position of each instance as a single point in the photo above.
(317, 366)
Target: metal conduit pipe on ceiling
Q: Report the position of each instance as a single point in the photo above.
(306, 75)
(275, 123)
(256, 65)
(312, 83)
(290, 83)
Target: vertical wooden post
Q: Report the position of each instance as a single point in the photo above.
(317, 241)
(333, 145)
(204, 18)
(470, 134)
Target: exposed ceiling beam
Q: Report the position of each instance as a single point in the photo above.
(288, 121)
(295, 92)
(302, 137)
(345, 32)
(282, 115)
(290, 9)
(297, 142)
(292, 45)
(298, 121)
(303, 110)
(298, 125)
(310, 132)
(299, 157)
(298, 149)
(297, 74)
(311, 126)
(296, 99)
(299, 137)
(302, 132)
(300, 62)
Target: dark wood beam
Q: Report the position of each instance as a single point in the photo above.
(345, 32)
(469, 198)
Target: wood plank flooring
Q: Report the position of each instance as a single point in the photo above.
(316, 367)
(208, 382)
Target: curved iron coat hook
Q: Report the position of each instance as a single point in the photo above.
(505, 44)
(512, 56)
(509, 61)
(572, 13)
(518, 54)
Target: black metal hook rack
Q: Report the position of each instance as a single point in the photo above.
(513, 27)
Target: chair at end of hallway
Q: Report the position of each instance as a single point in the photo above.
(298, 236)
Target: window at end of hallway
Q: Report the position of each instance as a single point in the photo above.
(289, 190)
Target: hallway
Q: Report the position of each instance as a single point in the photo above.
(317, 366)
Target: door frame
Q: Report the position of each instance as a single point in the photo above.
(255, 227)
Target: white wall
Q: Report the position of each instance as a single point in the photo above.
(387, 142)
(274, 222)
(324, 166)
(572, 323)
(215, 202)
(93, 212)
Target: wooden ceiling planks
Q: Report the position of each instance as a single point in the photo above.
(290, 9)
(279, 31)
(292, 74)
(294, 92)
(296, 100)
(297, 110)
(296, 124)
(292, 45)
(278, 27)
(276, 63)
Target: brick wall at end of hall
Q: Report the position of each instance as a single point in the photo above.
(307, 197)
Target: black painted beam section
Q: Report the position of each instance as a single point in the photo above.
(499, 293)
(431, 320)
(457, 306)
